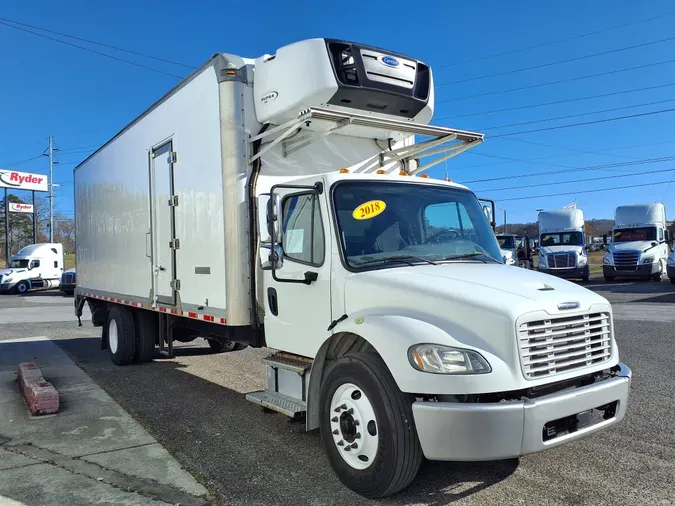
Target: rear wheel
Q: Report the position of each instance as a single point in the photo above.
(367, 427)
(121, 336)
(218, 346)
(147, 331)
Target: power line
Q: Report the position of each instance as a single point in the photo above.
(23, 161)
(584, 180)
(613, 109)
(91, 50)
(559, 62)
(607, 120)
(557, 102)
(116, 48)
(560, 81)
(544, 44)
(575, 169)
(583, 191)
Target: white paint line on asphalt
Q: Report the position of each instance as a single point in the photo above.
(43, 314)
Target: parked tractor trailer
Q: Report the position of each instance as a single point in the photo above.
(282, 201)
(562, 244)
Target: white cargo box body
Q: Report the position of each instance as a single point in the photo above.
(113, 211)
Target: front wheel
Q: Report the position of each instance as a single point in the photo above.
(658, 275)
(367, 427)
(22, 287)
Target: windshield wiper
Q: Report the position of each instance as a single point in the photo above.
(399, 258)
(472, 255)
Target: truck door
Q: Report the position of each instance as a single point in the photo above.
(298, 289)
(163, 224)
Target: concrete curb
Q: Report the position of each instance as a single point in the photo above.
(41, 397)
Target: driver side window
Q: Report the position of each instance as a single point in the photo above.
(303, 238)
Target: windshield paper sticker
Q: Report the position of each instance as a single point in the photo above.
(369, 210)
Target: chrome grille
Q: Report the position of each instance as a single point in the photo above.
(625, 258)
(562, 260)
(562, 344)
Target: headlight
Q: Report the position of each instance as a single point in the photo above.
(607, 259)
(439, 359)
(583, 260)
(648, 260)
(6, 280)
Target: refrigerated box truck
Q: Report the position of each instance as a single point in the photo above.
(639, 247)
(562, 244)
(282, 201)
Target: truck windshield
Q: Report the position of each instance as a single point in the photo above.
(506, 241)
(407, 223)
(635, 234)
(18, 264)
(562, 239)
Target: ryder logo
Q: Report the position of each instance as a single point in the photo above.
(20, 208)
(22, 180)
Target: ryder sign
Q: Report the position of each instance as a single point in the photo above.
(22, 180)
(20, 208)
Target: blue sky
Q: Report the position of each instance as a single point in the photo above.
(82, 99)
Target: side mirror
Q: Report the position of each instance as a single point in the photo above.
(273, 213)
(668, 235)
(32, 265)
(274, 260)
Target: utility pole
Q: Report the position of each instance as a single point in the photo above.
(52, 162)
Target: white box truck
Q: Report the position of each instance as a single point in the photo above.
(639, 247)
(34, 267)
(562, 244)
(282, 202)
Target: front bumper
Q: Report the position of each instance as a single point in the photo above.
(575, 272)
(67, 287)
(479, 432)
(670, 270)
(639, 271)
(7, 287)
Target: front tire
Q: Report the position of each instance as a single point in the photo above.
(121, 336)
(657, 276)
(367, 427)
(22, 287)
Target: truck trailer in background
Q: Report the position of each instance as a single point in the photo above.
(562, 244)
(280, 202)
(639, 247)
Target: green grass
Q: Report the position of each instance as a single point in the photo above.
(69, 261)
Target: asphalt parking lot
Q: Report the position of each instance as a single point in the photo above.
(195, 407)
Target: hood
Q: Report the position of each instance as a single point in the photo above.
(630, 246)
(5, 272)
(496, 288)
(560, 248)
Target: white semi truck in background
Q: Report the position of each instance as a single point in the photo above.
(562, 244)
(34, 267)
(639, 247)
(282, 202)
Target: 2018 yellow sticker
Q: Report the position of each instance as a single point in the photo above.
(369, 210)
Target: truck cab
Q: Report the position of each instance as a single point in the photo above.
(35, 267)
(639, 246)
(562, 244)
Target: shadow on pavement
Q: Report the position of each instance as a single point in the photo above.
(251, 457)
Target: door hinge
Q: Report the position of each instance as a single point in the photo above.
(173, 200)
(174, 244)
(175, 284)
(174, 157)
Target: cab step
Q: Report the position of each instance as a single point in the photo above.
(278, 402)
(287, 381)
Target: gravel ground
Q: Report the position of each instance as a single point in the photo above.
(194, 406)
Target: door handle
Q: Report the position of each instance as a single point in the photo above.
(310, 277)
